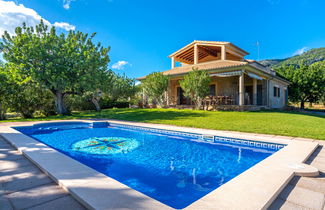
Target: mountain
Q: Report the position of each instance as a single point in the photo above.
(309, 57)
(271, 62)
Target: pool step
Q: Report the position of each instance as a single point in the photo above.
(100, 124)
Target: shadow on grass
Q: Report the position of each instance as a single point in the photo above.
(140, 115)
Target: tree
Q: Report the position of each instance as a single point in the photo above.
(63, 64)
(307, 82)
(196, 86)
(122, 87)
(94, 93)
(26, 96)
(155, 86)
(5, 91)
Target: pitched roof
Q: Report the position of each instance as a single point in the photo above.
(203, 66)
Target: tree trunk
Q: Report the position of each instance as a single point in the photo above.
(302, 104)
(2, 112)
(27, 114)
(59, 103)
(96, 103)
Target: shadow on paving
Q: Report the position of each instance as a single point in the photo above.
(23, 185)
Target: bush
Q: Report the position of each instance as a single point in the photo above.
(80, 103)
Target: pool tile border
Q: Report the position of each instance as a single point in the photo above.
(255, 188)
(214, 139)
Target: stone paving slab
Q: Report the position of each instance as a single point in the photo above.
(280, 204)
(14, 164)
(23, 181)
(5, 175)
(24, 186)
(303, 197)
(66, 202)
(8, 153)
(35, 196)
(311, 183)
(305, 192)
(5, 204)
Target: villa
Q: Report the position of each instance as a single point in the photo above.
(236, 82)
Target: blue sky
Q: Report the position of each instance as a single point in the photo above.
(142, 33)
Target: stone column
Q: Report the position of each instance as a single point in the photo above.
(241, 90)
(168, 94)
(254, 92)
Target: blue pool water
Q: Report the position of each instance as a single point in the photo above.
(173, 168)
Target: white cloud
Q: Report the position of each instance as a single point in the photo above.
(300, 51)
(66, 4)
(13, 15)
(64, 25)
(120, 65)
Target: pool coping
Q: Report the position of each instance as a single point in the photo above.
(256, 188)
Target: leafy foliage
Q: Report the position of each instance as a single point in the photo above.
(307, 82)
(122, 88)
(113, 90)
(94, 93)
(63, 64)
(6, 90)
(196, 86)
(155, 86)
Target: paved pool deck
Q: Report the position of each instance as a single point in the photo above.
(305, 192)
(24, 186)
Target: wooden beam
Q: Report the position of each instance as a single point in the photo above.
(223, 53)
(182, 60)
(196, 54)
(187, 54)
(209, 51)
(234, 53)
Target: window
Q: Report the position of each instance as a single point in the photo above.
(276, 91)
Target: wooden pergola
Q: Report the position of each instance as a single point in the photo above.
(204, 51)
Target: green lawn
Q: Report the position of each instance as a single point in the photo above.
(267, 122)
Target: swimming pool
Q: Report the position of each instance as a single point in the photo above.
(175, 168)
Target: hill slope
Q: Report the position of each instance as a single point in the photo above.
(309, 57)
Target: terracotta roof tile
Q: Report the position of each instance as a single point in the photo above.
(204, 66)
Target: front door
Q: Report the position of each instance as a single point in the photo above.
(181, 99)
(179, 95)
(248, 95)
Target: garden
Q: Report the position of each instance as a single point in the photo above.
(50, 76)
